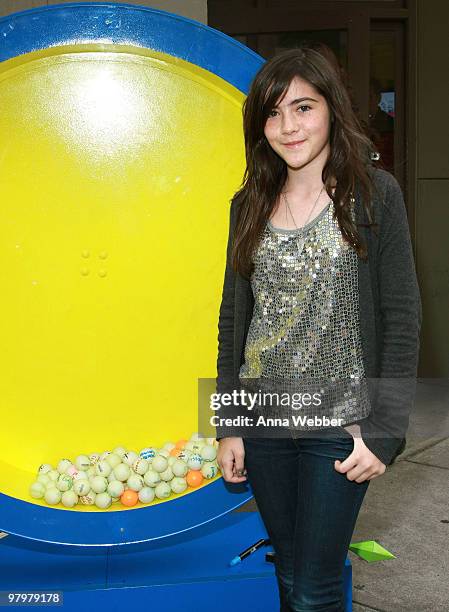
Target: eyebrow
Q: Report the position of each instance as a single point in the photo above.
(298, 100)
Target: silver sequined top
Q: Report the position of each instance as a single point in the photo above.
(305, 321)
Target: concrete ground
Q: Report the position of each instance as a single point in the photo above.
(406, 510)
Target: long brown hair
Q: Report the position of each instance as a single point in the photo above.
(266, 172)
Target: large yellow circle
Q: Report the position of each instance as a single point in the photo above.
(117, 166)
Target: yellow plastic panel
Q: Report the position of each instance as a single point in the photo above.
(117, 166)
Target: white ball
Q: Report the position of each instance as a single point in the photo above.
(171, 460)
(44, 468)
(152, 478)
(162, 490)
(129, 458)
(53, 475)
(43, 479)
(63, 465)
(99, 484)
(113, 459)
(122, 472)
(94, 458)
(104, 455)
(37, 490)
(159, 463)
(82, 462)
(148, 453)
(81, 487)
(120, 451)
(197, 436)
(208, 453)
(83, 475)
(146, 495)
(185, 454)
(64, 482)
(209, 470)
(179, 468)
(52, 496)
(89, 499)
(195, 462)
(103, 500)
(178, 485)
(164, 453)
(197, 446)
(135, 482)
(103, 468)
(140, 466)
(168, 446)
(69, 499)
(166, 474)
(116, 488)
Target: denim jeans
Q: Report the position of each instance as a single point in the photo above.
(309, 510)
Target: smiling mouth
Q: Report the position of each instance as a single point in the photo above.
(296, 143)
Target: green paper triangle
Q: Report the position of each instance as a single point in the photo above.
(371, 551)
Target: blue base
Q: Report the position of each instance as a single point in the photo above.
(186, 572)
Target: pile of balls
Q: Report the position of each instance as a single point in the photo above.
(124, 476)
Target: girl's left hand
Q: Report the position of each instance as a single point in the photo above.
(361, 464)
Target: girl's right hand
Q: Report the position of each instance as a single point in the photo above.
(230, 458)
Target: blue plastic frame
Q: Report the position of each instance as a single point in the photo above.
(212, 50)
(127, 24)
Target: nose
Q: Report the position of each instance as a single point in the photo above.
(290, 122)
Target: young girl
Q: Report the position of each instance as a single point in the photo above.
(320, 283)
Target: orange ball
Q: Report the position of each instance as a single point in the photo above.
(194, 478)
(129, 497)
(180, 444)
(175, 452)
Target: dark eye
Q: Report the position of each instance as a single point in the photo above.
(272, 113)
(304, 108)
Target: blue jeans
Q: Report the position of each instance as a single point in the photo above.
(309, 510)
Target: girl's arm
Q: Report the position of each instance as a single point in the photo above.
(401, 313)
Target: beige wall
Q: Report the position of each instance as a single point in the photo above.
(432, 210)
(194, 9)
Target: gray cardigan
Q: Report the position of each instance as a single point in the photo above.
(390, 318)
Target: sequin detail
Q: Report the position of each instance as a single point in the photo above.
(305, 322)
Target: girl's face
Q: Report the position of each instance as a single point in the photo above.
(298, 128)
